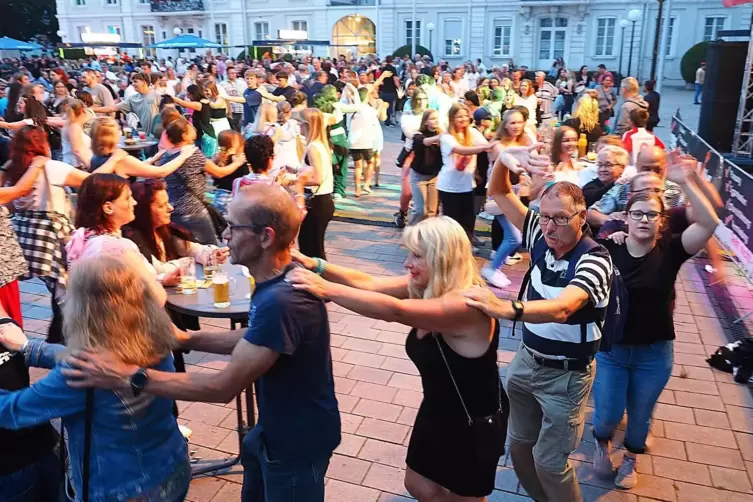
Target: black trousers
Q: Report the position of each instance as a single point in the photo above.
(459, 207)
(390, 99)
(55, 331)
(321, 208)
(236, 119)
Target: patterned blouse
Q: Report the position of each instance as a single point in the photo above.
(12, 261)
(187, 186)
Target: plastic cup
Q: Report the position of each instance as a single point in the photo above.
(188, 276)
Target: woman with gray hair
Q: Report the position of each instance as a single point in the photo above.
(611, 163)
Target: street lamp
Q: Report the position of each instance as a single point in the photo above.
(623, 25)
(430, 27)
(177, 31)
(633, 16)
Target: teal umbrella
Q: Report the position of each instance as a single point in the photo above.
(10, 44)
(186, 42)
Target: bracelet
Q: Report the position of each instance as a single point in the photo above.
(320, 267)
(24, 346)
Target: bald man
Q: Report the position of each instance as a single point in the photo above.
(285, 350)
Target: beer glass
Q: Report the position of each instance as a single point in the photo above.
(221, 287)
(188, 275)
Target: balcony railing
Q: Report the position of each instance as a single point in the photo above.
(176, 5)
(352, 3)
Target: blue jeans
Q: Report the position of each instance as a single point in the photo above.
(698, 92)
(266, 480)
(511, 240)
(630, 377)
(38, 482)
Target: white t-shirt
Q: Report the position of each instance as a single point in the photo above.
(450, 179)
(362, 128)
(325, 158)
(48, 193)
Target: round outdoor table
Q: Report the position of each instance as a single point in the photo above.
(201, 304)
(141, 144)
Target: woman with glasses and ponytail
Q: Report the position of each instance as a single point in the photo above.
(633, 374)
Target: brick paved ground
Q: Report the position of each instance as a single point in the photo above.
(702, 430)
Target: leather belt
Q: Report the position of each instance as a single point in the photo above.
(562, 364)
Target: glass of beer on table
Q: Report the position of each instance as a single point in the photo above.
(221, 287)
(188, 275)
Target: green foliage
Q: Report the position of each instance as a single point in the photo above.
(405, 50)
(692, 60)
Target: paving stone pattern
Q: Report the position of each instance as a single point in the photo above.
(702, 431)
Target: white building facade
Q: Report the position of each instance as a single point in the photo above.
(531, 32)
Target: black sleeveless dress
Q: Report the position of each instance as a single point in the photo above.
(443, 446)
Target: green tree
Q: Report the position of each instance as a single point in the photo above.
(26, 19)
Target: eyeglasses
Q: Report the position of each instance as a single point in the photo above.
(255, 227)
(560, 221)
(650, 190)
(608, 165)
(638, 215)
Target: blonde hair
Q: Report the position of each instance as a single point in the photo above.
(105, 135)
(587, 111)
(445, 245)
(75, 108)
(455, 109)
(314, 118)
(110, 306)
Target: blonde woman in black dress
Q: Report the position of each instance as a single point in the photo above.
(454, 448)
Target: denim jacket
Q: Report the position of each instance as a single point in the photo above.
(135, 442)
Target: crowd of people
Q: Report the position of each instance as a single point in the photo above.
(568, 171)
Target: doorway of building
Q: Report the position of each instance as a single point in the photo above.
(354, 36)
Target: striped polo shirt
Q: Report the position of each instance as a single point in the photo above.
(593, 274)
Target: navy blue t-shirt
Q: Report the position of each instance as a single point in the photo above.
(251, 106)
(298, 412)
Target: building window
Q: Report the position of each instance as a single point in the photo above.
(670, 52)
(261, 29)
(111, 2)
(552, 35)
(501, 38)
(300, 26)
(114, 29)
(409, 33)
(712, 28)
(453, 33)
(220, 34)
(79, 3)
(143, 2)
(605, 28)
(147, 38)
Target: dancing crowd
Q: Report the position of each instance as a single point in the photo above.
(242, 161)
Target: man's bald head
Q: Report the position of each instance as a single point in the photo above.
(652, 158)
(267, 205)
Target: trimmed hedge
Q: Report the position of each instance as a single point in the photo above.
(405, 50)
(692, 60)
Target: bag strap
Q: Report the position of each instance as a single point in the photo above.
(87, 444)
(585, 245)
(455, 384)
(538, 252)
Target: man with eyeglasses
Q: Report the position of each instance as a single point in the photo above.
(285, 350)
(612, 204)
(550, 377)
(611, 163)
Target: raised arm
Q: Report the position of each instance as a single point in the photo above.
(25, 184)
(501, 192)
(15, 125)
(109, 109)
(396, 286)
(133, 167)
(695, 237)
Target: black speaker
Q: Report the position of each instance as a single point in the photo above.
(725, 65)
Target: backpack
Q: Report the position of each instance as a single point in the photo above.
(612, 320)
(427, 160)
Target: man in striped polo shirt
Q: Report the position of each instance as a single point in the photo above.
(550, 377)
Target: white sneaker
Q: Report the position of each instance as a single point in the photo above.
(512, 260)
(185, 431)
(602, 461)
(337, 196)
(495, 277)
(486, 216)
(627, 474)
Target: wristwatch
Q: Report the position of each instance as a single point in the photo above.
(138, 381)
(517, 306)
